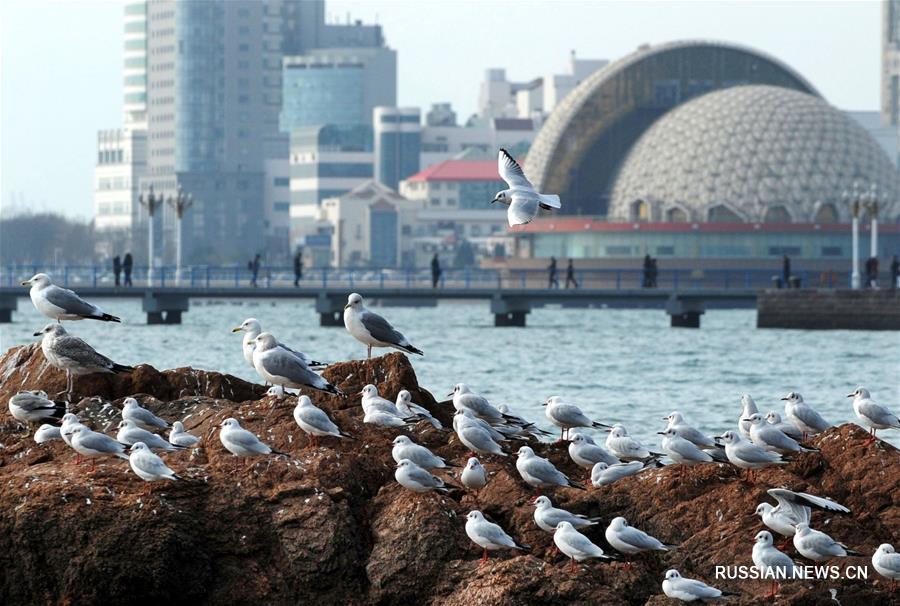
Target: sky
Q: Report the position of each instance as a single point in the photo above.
(60, 63)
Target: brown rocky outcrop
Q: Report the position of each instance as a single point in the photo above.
(330, 526)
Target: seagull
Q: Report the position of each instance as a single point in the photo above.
(92, 444)
(747, 455)
(525, 427)
(69, 420)
(521, 197)
(474, 437)
(252, 328)
(473, 475)
(541, 473)
(385, 419)
(792, 509)
(371, 401)
(34, 406)
(630, 540)
(314, 421)
(689, 433)
(489, 536)
(148, 466)
(873, 415)
(772, 563)
(242, 443)
(372, 330)
(585, 453)
(748, 407)
(575, 545)
(465, 416)
(817, 546)
(179, 437)
(279, 365)
(59, 303)
(789, 429)
(803, 415)
(682, 451)
(464, 397)
(603, 474)
(405, 448)
(625, 447)
(566, 416)
(887, 562)
(130, 434)
(133, 411)
(415, 478)
(771, 438)
(408, 409)
(47, 432)
(73, 355)
(548, 517)
(680, 588)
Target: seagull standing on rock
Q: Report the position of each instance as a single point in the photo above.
(405, 448)
(793, 508)
(748, 407)
(473, 475)
(92, 444)
(817, 546)
(179, 437)
(130, 434)
(372, 330)
(315, 422)
(143, 418)
(34, 406)
(566, 416)
(521, 197)
(548, 517)
(575, 545)
(772, 563)
(747, 455)
(539, 473)
(489, 536)
(59, 303)
(148, 466)
(804, 416)
(416, 478)
(73, 355)
(683, 589)
(873, 415)
(242, 443)
(887, 562)
(629, 540)
(252, 328)
(279, 365)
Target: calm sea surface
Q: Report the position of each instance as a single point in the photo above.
(625, 366)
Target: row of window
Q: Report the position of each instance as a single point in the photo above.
(109, 183)
(110, 156)
(113, 208)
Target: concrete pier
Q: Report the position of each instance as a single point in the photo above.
(8, 304)
(685, 312)
(829, 309)
(330, 309)
(164, 308)
(509, 311)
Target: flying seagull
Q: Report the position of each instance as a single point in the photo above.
(521, 197)
(371, 329)
(60, 303)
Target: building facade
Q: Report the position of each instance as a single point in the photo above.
(398, 142)
(890, 63)
(121, 164)
(337, 86)
(135, 64)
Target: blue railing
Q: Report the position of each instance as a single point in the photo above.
(206, 276)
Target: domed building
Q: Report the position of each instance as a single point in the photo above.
(751, 154)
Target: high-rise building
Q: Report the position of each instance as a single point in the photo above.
(337, 86)
(890, 63)
(121, 163)
(398, 142)
(135, 64)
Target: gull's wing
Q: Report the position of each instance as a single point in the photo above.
(809, 416)
(423, 477)
(511, 172)
(495, 534)
(790, 498)
(754, 454)
(306, 359)
(152, 464)
(876, 412)
(282, 363)
(545, 471)
(70, 302)
(569, 413)
(247, 440)
(381, 329)
(147, 417)
(318, 419)
(100, 442)
(638, 539)
(698, 589)
(690, 451)
(578, 542)
(522, 210)
(80, 352)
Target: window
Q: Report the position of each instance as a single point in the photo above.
(676, 215)
(618, 251)
(640, 211)
(832, 251)
(136, 44)
(435, 202)
(665, 250)
(281, 207)
(281, 181)
(778, 251)
(777, 214)
(723, 214)
(827, 213)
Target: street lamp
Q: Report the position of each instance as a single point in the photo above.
(872, 206)
(151, 202)
(181, 202)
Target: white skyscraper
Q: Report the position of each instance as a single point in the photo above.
(135, 64)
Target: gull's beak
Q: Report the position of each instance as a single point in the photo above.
(26, 283)
(360, 393)
(252, 341)
(783, 399)
(449, 394)
(346, 306)
(37, 334)
(238, 329)
(662, 433)
(746, 420)
(850, 395)
(718, 438)
(665, 418)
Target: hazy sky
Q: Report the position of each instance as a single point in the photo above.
(60, 71)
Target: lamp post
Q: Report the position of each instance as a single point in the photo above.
(180, 203)
(872, 206)
(151, 202)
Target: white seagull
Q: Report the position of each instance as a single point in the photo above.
(46, 433)
(415, 478)
(873, 415)
(747, 455)
(817, 546)
(314, 421)
(566, 416)
(34, 406)
(60, 303)
(521, 197)
(575, 545)
(405, 448)
(887, 562)
(625, 447)
(804, 416)
(132, 410)
(372, 330)
(73, 355)
(242, 443)
(278, 365)
(148, 466)
(792, 509)
(748, 407)
(541, 473)
(91, 444)
(585, 453)
(629, 540)
(489, 536)
(179, 437)
(772, 563)
(548, 517)
(252, 328)
(407, 408)
(473, 475)
(683, 589)
(603, 474)
(130, 434)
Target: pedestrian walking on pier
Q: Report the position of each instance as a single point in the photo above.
(648, 268)
(127, 266)
(253, 266)
(435, 270)
(298, 267)
(895, 272)
(872, 272)
(117, 268)
(553, 281)
(786, 271)
(570, 275)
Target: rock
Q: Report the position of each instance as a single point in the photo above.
(329, 525)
